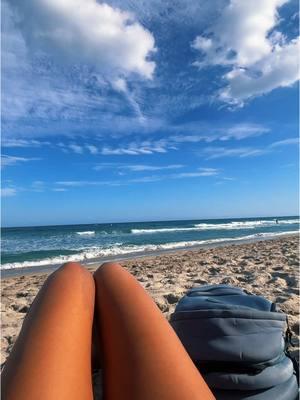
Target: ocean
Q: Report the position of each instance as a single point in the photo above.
(29, 247)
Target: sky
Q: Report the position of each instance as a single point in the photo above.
(140, 110)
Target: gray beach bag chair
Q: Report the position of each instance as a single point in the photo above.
(239, 343)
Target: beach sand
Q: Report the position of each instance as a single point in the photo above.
(268, 268)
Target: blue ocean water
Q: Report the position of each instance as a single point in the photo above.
(52, 245)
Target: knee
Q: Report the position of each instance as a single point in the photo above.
(72, 268)
(107, 269)
(71, 281)
(74, 272)
(109, 265)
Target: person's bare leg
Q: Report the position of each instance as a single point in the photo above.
(142, 358)
(51, 359)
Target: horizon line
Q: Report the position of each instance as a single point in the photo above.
(149, 221)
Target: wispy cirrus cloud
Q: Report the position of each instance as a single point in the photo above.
(228, 178)
(233, 132)
(244, 152)
(81, 183)
(242, 131)
(140, 148)
(59, 190)
(200, 172)
(241, 152)
(126, 148)
(285, 142)
(137, 167)
(8, 192)
(142, 168)
(196, 174)
(23, 143)
(76, 148)
(35, 187)
(38, 186)
(109, 151)
(64, 186)
(92, 149)
(170, 141)
(7, 160)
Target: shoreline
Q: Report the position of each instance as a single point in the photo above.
(93, 263)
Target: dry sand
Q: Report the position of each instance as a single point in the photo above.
(268, 268)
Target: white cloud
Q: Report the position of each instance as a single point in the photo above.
(285, 142)
(190, 138)
(244, 39)
(13, 160)
(240, 35)
(146, 179)
(77, 183)
(200, 172)
(141, 168)
(76, 148)
(243, 131)
(146, 147)
(212, 171)
(37, 186)
(92, 149)
(8, 192)
(108, 151)
(202, 43)
(74, 184)
(280, 68)
(136, 167)
(6, 142)
(241, 152)
(120, 86)
(196, 174)
(153, 146)
(87, 32)
(78, 95)
(131, 148)
(237, 132)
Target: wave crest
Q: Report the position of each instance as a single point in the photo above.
(219, 226)
(86, 233)
(92, 254)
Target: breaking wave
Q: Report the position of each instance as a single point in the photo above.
(90, 255)
(86, 233)
(219, 226)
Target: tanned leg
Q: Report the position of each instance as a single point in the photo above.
(142, 358)
(51, 359)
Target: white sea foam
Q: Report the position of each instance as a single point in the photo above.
(223, 226)
(93, 253)
(247, 224)
(162, 230)
(86, 233)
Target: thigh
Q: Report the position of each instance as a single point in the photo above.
(51, 359)
(142, 357)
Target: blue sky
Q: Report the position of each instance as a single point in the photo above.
(148, 110)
